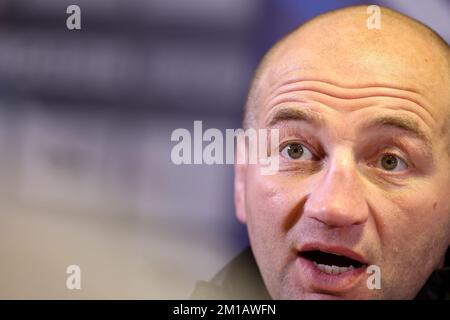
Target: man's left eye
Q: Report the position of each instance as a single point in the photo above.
(296, 151)
(393, 163)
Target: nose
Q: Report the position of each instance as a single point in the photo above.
(338, 199)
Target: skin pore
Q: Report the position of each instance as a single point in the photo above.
(364, 155)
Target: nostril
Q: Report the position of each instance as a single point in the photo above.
(338, 216)
(338, 198)
(337, 220)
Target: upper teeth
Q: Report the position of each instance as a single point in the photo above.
(332, 269)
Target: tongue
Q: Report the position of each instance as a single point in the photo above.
(331, 259)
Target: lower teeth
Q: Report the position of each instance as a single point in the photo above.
(332, 269)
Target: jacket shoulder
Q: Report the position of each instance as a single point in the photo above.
(239, 279)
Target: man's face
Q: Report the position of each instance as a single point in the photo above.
(364, 174)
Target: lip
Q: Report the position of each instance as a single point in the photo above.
(320, 281)
(339, 250)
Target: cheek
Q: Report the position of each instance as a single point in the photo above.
(269, 200)
(425, 208)
(415, 223)
(412, 227)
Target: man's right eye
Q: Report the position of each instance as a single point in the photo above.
(296, 151)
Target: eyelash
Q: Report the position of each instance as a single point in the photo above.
(378, 157)
(303, 144)
(391, 153)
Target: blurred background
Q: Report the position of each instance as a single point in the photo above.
(86, 118)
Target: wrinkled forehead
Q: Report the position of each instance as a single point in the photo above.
(359, 64)
(353, 62)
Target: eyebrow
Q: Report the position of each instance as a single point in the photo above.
(403, 123)
(294, 114)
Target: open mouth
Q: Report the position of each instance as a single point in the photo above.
(331, 263)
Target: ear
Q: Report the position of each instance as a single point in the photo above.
(240, 173)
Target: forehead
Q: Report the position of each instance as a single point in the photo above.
(340, 47)
(352, 70)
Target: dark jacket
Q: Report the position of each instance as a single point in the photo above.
(241, 279)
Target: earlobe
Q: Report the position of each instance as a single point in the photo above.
(240, 170)
(239, 192)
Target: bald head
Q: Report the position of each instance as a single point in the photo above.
(338, 46)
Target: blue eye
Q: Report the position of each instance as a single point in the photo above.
(390, 162)
(296, 151)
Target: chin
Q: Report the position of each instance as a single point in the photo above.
(317, 295)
